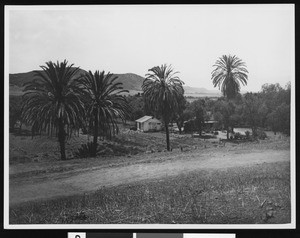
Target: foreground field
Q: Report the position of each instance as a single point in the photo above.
(206, 183)
(256, 194)
(85, 180)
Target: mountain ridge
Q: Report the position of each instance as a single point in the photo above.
(131, 82)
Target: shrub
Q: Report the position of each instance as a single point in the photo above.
(240, 136)
(237, 136)
(247, 133)
(85, 151)
(84, 130)
(261, 135)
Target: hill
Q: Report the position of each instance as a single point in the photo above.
(131, 82)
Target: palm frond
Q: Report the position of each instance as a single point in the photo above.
(52, 95)
(228, 73)
(162, 88)
(104, 96)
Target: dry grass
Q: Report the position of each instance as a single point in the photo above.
(40, 155)
(24, 148)
(258, 194)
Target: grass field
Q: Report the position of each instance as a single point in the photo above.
(25, 148)
(200, 187)
(258, 194)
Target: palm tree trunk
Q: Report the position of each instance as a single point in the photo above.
(61, 139)
(180, 130)
(227, 131)
(20, 128)
(179, 125)
(96, 129)
(167, 136)
(254, 131)
(200, 129)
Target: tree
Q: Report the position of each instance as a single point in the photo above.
(229, 73)
(277, 106)
(271, 94)
(263, 113)
(15, 111)
(199, 113)
(104, 103)
(162, 92)
(180, 115)
(279, 119)
(136, 104)
(252, 112)
(224, 112)
(271, 88)
(52, 101)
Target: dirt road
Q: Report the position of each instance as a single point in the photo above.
(172, 164)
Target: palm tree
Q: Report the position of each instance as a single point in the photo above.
(229, 73)
(104, 103)
(51, 101)
(162, 92)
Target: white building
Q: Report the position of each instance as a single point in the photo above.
(148, 123)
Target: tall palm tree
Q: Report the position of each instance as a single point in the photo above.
(51, 101)
(104, 102)
(229, 73)
(162, 92)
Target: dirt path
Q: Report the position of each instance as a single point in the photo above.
(91, 180)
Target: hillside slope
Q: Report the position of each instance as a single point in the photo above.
(131, 82)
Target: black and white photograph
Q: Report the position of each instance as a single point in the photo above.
(149, 116)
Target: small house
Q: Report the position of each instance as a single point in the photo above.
(210, 124)
(148, 123)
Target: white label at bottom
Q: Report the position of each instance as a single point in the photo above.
(76, 234)
(209, 235)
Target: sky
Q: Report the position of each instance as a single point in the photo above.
(135, 38)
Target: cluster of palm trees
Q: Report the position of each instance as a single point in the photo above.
(163, 89)
(60, 100)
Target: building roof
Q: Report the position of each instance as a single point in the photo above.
(211, 121)
(148, 118)
(144, 118)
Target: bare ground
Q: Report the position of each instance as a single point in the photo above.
(80, 176)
